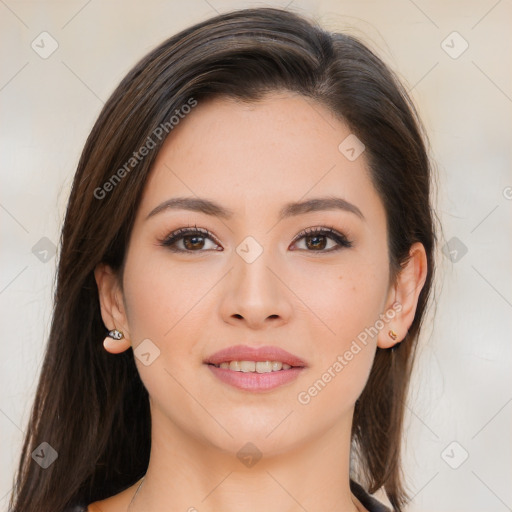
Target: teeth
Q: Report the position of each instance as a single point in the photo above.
(247, 366)
(254, 366)
(235, 365)
(276, 366)
(264, 367)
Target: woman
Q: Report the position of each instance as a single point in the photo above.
(251, 216)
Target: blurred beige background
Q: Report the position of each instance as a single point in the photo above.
(59, 61)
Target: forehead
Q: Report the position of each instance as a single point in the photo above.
(252, 155)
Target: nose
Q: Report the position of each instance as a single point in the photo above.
(255, 293)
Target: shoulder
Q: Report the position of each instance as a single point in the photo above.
(117, 503)
(102, 506)
(95, 507)
(107, 505)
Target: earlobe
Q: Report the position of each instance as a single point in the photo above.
(389, 337)
(115, 343)
(112, 311)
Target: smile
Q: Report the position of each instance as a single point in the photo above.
(255, 376)
(254, 366)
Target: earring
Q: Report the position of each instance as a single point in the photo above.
(392, 335)
(115, 334)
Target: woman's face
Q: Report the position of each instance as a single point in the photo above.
(256, 281)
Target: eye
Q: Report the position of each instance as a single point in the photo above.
(188, 240)
(316, 238)
(194, 239)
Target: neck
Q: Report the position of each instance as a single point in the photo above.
(187, 473)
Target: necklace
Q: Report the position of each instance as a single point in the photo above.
(138, 488)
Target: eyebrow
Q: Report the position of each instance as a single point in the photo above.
(202, 205)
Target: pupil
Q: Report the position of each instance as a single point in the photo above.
(194, 241)
(316, 237)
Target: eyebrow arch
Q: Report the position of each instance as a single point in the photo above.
(195, 204)
(319, 204)
(208, 207)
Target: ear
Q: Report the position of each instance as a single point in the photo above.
(112, 307)
(403, 296)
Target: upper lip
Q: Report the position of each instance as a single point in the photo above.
(246, 353)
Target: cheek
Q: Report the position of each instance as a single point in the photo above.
(161, 297)
(346, 298)
(348, 303)
(164, 305)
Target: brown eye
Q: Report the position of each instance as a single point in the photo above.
(192, 242)
(316, 240)
(189, 240)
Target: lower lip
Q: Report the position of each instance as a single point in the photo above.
(252, 381)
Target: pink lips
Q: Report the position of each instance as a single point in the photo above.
(246, 353)
(255, 381)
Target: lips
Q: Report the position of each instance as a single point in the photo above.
(255, 381)
(246, 353)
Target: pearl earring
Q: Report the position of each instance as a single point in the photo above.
(115, 334)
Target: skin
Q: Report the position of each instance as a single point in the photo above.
(254, 158)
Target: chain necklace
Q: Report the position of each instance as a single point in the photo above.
(138, 488)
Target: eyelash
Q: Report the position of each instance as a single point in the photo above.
(330, 232)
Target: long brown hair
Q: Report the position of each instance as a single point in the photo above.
(91, 406)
